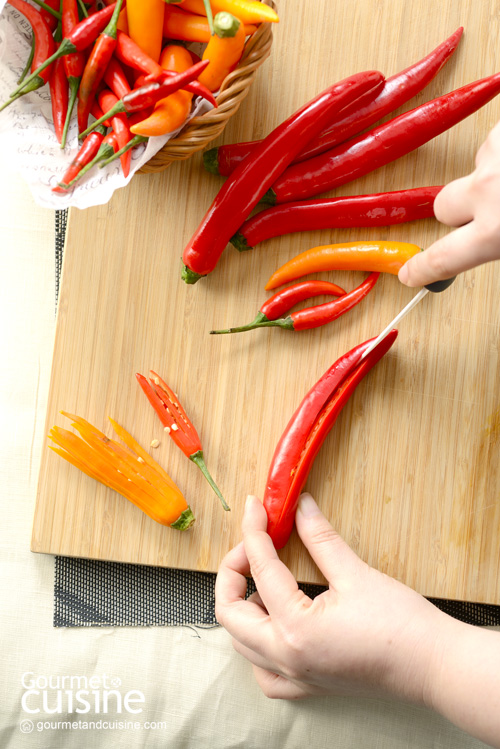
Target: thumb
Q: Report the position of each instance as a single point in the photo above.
(335, 559)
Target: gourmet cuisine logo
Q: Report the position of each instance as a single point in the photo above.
(78, 694)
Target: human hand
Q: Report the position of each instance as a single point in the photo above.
(470, 203)
(367, 634)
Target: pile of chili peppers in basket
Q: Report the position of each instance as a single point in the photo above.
(126, 66)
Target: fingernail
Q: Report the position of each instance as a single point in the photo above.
(403, 274)
(249, 502)
(307, 506)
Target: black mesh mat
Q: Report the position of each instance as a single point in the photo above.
(89, 593)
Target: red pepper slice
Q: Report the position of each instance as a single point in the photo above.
(396, 90)
(312, 317)
(380, 209)
(383, 144)
(306, 432)
(176, 422)
(247, 185)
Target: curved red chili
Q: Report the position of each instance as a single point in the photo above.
(396, 90)
(383, 144)
(284, 300)
(95, 68)
(44, 48)
(86, 153)
(146, 96)
(106, 149)
(58, 83)
(381, 209)
(129, 53)
(121, 128)
(247, 185)
(306, 431)
(116, 79)
(313, 317)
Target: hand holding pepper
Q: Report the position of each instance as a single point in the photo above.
(368, 635)
(471, 204)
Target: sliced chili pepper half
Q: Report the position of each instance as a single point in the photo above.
(177, 424)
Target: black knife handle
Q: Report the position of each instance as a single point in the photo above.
(440, 285)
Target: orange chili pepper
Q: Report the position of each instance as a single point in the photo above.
(129, 470)
(378, 256)
(224, 50)
(189, 27)
(145, 25)
(248, 11)
(171, 112)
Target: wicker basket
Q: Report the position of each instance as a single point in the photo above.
(201, 130)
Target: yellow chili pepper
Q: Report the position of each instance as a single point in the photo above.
(224, 50)
(145, 24)
(129, 470)
(248, 11)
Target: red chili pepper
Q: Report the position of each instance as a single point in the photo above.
(106, 100)
(116, 79)
(283, 301)
(44, 47)
(108, 146)
(247, 185)
(128, 52)
(146, 96)
(383, 144)
(396, 90)
(176, 423)
(95, 68)
(88, 150)
(380, 209)
(82, 36)
(74, 64)
(306, 432)
(59, 98)
(195, 87)
(311, 317)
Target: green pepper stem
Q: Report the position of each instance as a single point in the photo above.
(28, 62)
(226, 25)
(190, 276)
(132, 142)
(184, 521)
(239, 241)
(65, 48)
(197, 458)
(50, 10)
(117, 108)
(111, 29)
(210, 17)
(261, 321)
(33, 86)
(73, 88)
(83, 8)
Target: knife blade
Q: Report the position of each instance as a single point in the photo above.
(435, 288)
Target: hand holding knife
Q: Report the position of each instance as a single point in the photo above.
(435, 287)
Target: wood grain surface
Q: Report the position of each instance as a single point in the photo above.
(410, 473)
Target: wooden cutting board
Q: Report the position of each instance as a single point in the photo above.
(410, 473)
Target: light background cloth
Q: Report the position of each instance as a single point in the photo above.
(191, 680)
